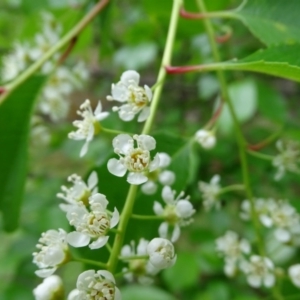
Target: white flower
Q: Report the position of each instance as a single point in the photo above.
(161, 253)
(73, 295)
(50, 289)
(53, 252)
(89, 126)
(177, 212)
(279, 215)
(288, 159)
(79, 192)
(205, 138)
(259, 271)
(140, 268)
(165, 177)
(232, 248)
(93, 224)
(210, 192)
(294, 273)
(99, 285)
(136, 98)
(135, 160)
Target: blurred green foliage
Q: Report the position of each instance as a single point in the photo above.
(131, 34)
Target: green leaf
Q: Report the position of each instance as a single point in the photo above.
(281, 61)
(243, 95)
(137, 292)
(14, 126)
(271, 21)
(186, 268)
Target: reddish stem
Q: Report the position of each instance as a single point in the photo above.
(183, 69)
(2, 90)
(223, 38)
(216, 115)
(257, 146)
(189, 15)
(67, 52)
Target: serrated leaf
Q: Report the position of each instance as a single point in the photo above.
(271, 21)
(281, 61)
(14, 126)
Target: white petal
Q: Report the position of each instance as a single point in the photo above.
(102, 116)
(116, 168)
(215, 179)
(99, 198)
(136, 178)
(148, 92)
(149, 188)
(184, 209)
(269, 280)
(175, 234)
(167, 177)
(154, 163)
(84, 149)
(266, 220)
(107, 275)
(98, 109)
(115, 218)
(168, 195)
(123, 142)
(146, 142)
(84, 279)
(126, 112)
(144, 114)
(157, 208)
(163, 230)
(92, 180)
(118, 295)
(100, 242)
(164, 159)
(130, 77)
(119, 92)
(73, 295)
(43, 273)
(282, 235)
(254, 281)
(78, 239)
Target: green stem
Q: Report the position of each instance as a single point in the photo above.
(113, 131)
(152, 217)
(230, 188)
(90, 262)
(118, 242)
(62, 42)
(129, 203)
(166, 60)
(133, 257)
(239, 135)
(260, 155)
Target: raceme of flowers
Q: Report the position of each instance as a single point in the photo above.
(134, 157)
(177, 212)
(62, 81)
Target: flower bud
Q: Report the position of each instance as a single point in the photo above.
(161, 253)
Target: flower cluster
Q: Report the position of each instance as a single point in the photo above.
(277, 214)
(62, 80)
(288, 158)
(177, 212)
